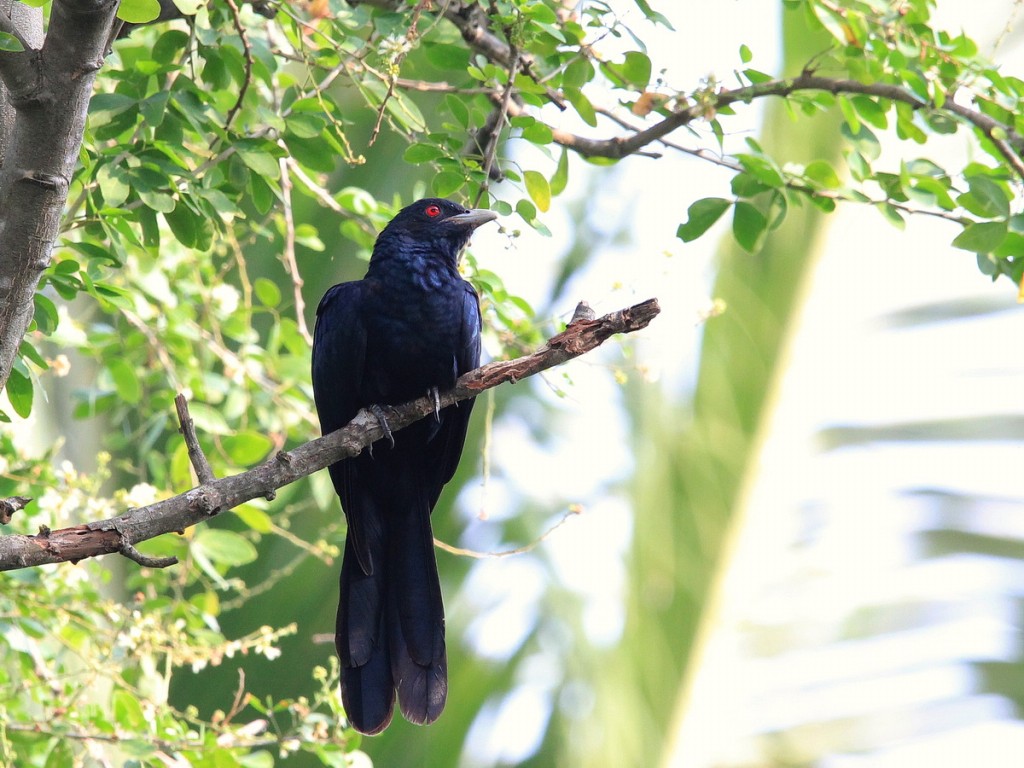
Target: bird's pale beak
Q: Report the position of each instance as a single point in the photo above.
(471, 219)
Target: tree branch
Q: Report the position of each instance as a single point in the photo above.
(11, 505)
(1006, 139)
(187, 427)
(121, 533)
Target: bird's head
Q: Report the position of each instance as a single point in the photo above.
(438, 224)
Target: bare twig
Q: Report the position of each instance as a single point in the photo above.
(145, 560)
(572, 512)
(209, 499)
(247, 62)
(290, 264)
(491, 150)
(11, 505)
(1007, 140)
(187, 427)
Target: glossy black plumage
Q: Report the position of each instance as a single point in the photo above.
(410, 325)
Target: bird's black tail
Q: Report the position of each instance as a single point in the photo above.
(390, 627)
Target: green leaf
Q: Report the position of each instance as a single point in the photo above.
(264, 163)
(261, 192)
(583, 107)
(29, 352)
(222, 547)
(747, 185)
(745, 54)
(168, 46)
(126, 381)
(189, 7)
(246, 448)
(988, 264)
(538, 133)
(701, 215)
(104, 107)
(763, 169)
(304, 125)
(539, 13)
(188, 228)
(981, 237)
(849, 113)
(208, 420)
(579, 72)
(458, 109)
(749, 226)
(405, 112)
(138, 11)
(45, 314)
(822, 174)
(158, 201)
(538, 188)
(267, 292)
(893, 214)
(113, 183)
(60, 755)
(526, 210)
(19, 392)
(561, 176)
(255, 518)
(634, 70)
(653, 15)
(447, 56)
(863, 139)
(128, 712)
(154, 108)
(870, 111)
(986, 198)
(421, 153)
(446, 183)
(9, 42)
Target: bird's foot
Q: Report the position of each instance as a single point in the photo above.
(434, 393)
(378, 414)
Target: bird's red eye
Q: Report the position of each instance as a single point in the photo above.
(432, 211)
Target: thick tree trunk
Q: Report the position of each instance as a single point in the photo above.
(43, 103)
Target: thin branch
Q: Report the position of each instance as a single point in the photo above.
(796, 184)
(490, 152)
(573, 511)
(209, 499)
(318, 190)
(187, 427)
(1005, 138)
(247, 61)
(290, 264)
(145, 560)
(11, 505)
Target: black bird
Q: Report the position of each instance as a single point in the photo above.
(410, 327)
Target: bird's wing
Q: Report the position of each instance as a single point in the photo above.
(339, 363)
(455, 418)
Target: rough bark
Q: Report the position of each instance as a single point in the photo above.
(43, 105)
